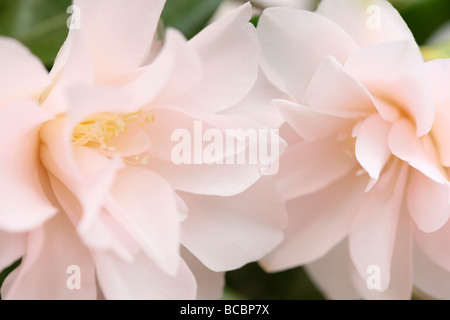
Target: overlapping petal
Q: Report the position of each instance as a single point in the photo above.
(284, 59)
(54, 253)
(319, 223)
(119, 37)
(394, 72)
(225, 234)
(23, 75)
(19, 165)
(368, 22)
(228, 48)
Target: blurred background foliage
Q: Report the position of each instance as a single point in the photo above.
(41, 26)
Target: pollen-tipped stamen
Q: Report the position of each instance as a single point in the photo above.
(97, 130)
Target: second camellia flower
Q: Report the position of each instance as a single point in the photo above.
(365, 171)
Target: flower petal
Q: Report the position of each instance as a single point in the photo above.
(439, 71)
(372, 150)
(401, 269)
(284, 34)
(210, 284)
(323, 273)
(368, 22)
(19, 161)
(119, 37)
(319, 224)
(436, 245)
(333, 91)
(228, 49)
(429, 277)
(226, 233)
(176, 69)
(97, 173)
(22, 74)
(418, 152)
(73, 66)
(257, 105)
(142, 279)
(310, 123)
(372, 239)
(85, 101)
(102, 232)
(54, 259)
(214, 179)
(168, 122)
(131, 143)
(428, 202)
(306, 167)
(150, 216)
(395, 73)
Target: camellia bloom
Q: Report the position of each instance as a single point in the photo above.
(89, 184)
(364, 171)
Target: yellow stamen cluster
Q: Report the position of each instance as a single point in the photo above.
(97, 130)
(138, 159)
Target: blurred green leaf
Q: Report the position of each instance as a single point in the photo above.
(254, 20)
(230, 294)
(7, 271)
(440, 51)
(189, 16)
(423, 17)
(252, 283)
(38, 24)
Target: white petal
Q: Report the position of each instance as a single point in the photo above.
(401, 269)
(372, 150)
(436, 245)
(228, 49)
(429, 277)
(310, 123)
(334, 91)
(257, 105)
(119, 37)
(55, 263)
(227, 232)
(142, 279)
(418, 152)
(368, 22)
(428, 202)
(19, 159)
(210, 284)
(439, 71)
(284, 34)
(23, 75)
(315, 226)
(309, 167)
(395, 73)
(373, 237)
(145, 205)
(331, 273)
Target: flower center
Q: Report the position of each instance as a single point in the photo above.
(97, 130)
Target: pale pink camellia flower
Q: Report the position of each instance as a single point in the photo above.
(364, 173)
(88, 181)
